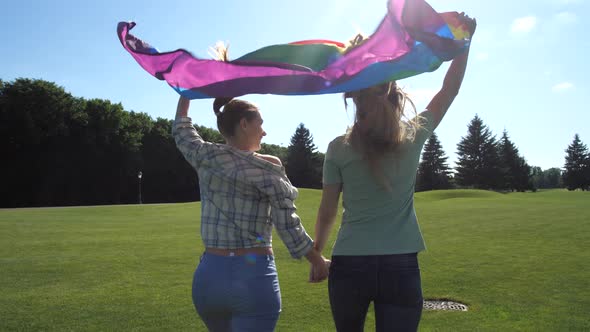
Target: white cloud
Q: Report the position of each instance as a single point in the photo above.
(524, 24)
(563, 86)
(566, 18)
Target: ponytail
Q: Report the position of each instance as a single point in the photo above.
(220, 102)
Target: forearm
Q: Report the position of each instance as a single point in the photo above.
(454, 77)
(291, 231)
(187, 139)
(182, 108)
(450, 88)
(323, 226)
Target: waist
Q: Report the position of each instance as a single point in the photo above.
(240, 251)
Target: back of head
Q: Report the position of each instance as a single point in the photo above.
(379, 127)
(230, 112)
(379, 111)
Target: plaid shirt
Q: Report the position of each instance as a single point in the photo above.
(242, 196)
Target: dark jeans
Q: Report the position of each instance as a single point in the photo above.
(391, 282)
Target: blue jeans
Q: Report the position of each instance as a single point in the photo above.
(239, 293)
(391, 282)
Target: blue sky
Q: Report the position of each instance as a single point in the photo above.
(527, 73)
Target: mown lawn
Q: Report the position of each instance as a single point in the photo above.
(520, 261)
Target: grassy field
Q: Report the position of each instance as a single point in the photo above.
(520, 261)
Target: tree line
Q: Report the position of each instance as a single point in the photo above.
(59, 150)
(485, 162)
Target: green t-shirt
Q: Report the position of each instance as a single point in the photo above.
(376, 221)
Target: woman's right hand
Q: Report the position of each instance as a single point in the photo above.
(469, 22)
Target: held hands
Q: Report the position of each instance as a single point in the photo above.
(319, 270)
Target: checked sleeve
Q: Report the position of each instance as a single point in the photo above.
(282, 195)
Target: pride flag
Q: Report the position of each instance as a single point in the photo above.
(411, 39)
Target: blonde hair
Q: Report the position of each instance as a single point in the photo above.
(230, 111)
(220, 51)
(380, 124)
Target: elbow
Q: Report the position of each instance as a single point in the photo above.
(451, 91)
(451, 88)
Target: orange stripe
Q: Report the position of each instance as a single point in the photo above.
(318, 41)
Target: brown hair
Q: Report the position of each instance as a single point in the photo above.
(234, 110)
(379, 125)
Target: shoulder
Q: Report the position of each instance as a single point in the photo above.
(427, 125)
(337, 146)
(338, 140)
(337, 143)
(269, 158)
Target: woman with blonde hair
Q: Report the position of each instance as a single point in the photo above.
(375, 257)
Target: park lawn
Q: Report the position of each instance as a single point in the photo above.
(519, 260)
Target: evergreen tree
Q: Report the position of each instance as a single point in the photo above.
(433, 171)
(478, 165)
(509, 161)
(577, 165)
(303, 162)
(516, 173)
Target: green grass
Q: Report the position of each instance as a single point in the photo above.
(519, 260)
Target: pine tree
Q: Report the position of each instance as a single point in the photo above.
(433, 172)
(478, 162)
(303, 162)
(577, 165)
(516, 173)
(509, 161)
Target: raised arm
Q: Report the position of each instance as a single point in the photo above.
(187, 139)
(182, 108)
(441, 102)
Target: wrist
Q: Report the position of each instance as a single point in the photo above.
(317, 247)
(314, 256)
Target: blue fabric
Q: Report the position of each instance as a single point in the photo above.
(391, 282)
(239, 293)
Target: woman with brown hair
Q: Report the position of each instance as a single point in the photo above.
(375, 257)
(243, 195)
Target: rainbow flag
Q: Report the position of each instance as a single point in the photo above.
(411, 39)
